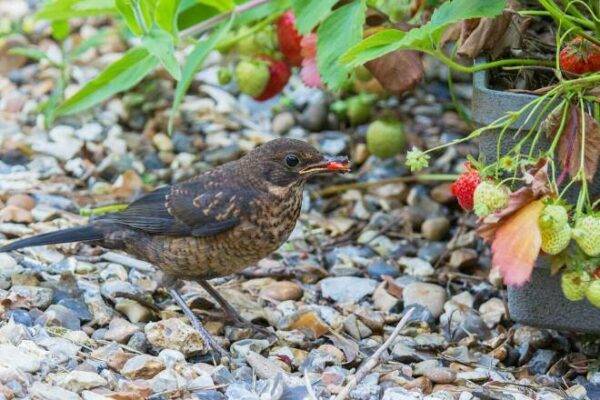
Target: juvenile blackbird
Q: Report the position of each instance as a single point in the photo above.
(214, 224)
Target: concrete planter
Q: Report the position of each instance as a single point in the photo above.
(540, 302)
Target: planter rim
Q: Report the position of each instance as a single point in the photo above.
(488, 104)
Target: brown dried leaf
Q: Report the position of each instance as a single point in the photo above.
(399, 71)
(349, 347)
(311, 322)
(569, 145)
(492, 35)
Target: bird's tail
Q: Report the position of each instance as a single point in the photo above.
(69, 235)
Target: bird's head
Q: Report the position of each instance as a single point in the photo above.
(286, 161)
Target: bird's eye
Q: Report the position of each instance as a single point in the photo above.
(291, 160)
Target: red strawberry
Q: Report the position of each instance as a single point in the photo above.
(465, 185)
(279, 75)
(580, 56)
(289, 38)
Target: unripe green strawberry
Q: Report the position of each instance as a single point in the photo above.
(489, 198)
(252, 76)
(385, 138)
(224, 76)
(359, 108)
(574, 284)
(248, 45)
(587, 234)
(592, 293)
(554, 228)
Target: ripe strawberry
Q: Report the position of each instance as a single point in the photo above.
(279, 75)
(580, 56)
(252, 76)
(592, 293)
(587, 234)
(555, 229)
(464, 187)
(489, 197)
(289, 38)
(574, 284)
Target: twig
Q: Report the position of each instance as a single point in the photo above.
(309, 388)
(400, 179)
(217, 19)
(374, 359)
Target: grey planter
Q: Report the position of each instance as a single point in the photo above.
(540, 302)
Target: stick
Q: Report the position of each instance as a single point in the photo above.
(400, 179)
(217, 19)
(374, 359)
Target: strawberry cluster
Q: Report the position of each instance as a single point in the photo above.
(263, 76)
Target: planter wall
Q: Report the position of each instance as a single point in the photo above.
(540, 302)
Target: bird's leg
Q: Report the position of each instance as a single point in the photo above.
(230, 312)
(208, 339)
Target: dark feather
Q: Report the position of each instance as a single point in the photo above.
(70, 235)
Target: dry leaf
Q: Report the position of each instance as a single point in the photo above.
(517, 244)
(537, 186)
(569, 145)
(349, 347)
(310, 321)
(399, 71)
(493, 35)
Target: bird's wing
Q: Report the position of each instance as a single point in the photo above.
(202, 207)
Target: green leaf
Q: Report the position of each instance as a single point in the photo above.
(29, 52)
(127, 11)
(310, 12)
(117, 77)
(221, 5)
(193, 62)
(147, 10)
(160, 44)
(192, 13)
(165, 13)
(340, 31)
(260, 12)
(60, 30)
(57, 10)
(424, 38)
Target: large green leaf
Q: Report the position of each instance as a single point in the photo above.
(127, 12)
(425, 38)
(193, 62)
(339, 32)
(57, 10)
(165, 13)
(117, 77)
(221, 5)
(310, 12)
(160, 44)
(192, 13)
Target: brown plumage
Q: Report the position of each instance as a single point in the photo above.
(214, 224)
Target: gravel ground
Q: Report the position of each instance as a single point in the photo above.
(359, 259)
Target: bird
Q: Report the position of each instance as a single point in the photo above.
(214, 224)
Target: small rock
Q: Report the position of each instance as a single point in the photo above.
(43, 391)
(282, 291)
(142, 366)
(162, 142)
(15, 214)
(171, 357)
(57, 315)
(78, 307)
(463, 258)
(336, 288)
(282, 122)
(398, 393)
(443, 193)
(541, 361)
(22, 201)
(174, 334)
(30, 296)
(134, 311)
(167, 381)
(440, 375)
(435, 228)
(426, 294)
(15, 357)
(379, 268)
(263, 367)
(76, 381)
(416, 267)
(492, 311)
(120, 330)
(534, 337)
(242, 348)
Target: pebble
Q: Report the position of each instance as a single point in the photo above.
(463, 258)
(282, 122)
(30, 296)
(282, 291)
(120, 330)
(77, 381)
(57, 315)
(492, 311)
(435, 228)
(44, 391)
(336, 288)
(174, 334)
(416, 267)
(13, 356)
(440, 375)
(134, 311)
(427, 295)
(142, 366)
(379, 268)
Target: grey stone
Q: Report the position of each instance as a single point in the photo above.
(426, 294)
(347, 288)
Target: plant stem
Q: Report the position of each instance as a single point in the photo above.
(493, 64)
(217, 19)
(255, 28)
(537, 13)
